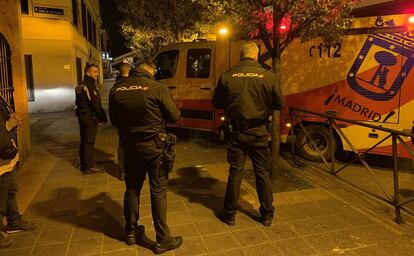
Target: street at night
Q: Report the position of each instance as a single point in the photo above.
(316, 214)
(206, 128)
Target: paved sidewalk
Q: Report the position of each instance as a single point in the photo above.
(82, 214)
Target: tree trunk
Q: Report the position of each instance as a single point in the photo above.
(275, 126)
(276, 114)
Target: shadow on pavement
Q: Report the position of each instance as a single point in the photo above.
(98, 214)
(65, 151)
(199, 188)
(106, 161)
(68, 150)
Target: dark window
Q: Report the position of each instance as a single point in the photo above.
(78, 71)
(166, 64)
(29, 77)
(24, 6)
(90, 28)
(6, 76)
(75, 12)
(84, 20)
(94, 35)
(198, 63)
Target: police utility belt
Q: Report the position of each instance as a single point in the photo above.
(242, 125)
(166, 142)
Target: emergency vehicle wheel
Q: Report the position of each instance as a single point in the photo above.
(321, 137)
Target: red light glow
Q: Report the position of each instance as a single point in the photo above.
(284, 26)
(411, 19)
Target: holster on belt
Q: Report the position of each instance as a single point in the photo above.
(166, 142)
(242, 125)
(227, 129)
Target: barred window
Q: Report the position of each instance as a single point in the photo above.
(6, 76)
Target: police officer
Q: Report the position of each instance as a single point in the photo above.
(90, 112)
(139, 106)
(124, 69)
(247, 93)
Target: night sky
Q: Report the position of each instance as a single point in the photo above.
(111, 18)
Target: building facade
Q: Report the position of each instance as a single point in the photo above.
(12, 75)
(59, 38)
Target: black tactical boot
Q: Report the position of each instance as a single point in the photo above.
(228, 219)
(267, 221)
(132, 236)
(168, 245)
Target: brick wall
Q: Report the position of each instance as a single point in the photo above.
(10, 27)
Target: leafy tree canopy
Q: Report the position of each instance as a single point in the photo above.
(150, 24)
(304, 19)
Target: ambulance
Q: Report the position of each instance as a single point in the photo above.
(368, 76)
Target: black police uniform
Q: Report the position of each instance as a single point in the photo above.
(120, 78)
(120, 150)
(247, 93)
(90, 112)
(139, 106)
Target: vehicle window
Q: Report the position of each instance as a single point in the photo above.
(166, 64)
(198, 63)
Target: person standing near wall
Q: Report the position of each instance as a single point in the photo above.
(9, 157)
(89, 112)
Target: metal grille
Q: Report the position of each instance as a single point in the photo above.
(6, 78)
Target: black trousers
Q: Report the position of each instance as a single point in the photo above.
(8, 202)
(142, 158)
(88, 126)
(121, 155)
(256, 147)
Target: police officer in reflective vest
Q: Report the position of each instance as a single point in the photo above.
(248, 93)
(90, 112)
(139, 107)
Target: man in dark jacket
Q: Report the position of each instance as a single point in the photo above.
(9, 158)
(124, 70)
(90, 112)
(139, 107)
(248, 93)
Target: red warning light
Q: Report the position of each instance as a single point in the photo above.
(284, 26)
(411, 19)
